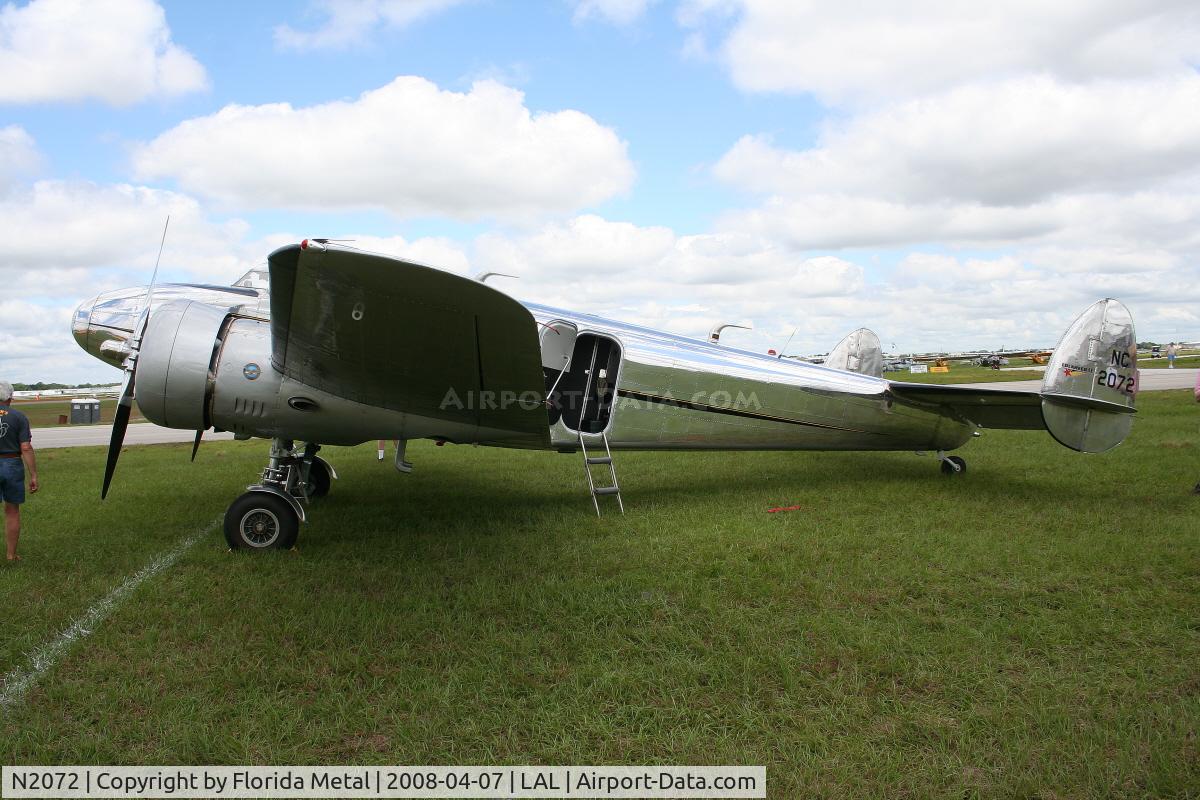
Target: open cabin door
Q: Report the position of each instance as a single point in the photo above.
(582, 394)
(558, 342)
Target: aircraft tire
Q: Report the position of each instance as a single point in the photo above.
(948, 468)
(261, 521)
(319, 480)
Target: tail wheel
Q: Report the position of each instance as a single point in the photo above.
(953, 465)
(261, 521)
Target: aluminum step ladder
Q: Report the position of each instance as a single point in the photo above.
(606, 460)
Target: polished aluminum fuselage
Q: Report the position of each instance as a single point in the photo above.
(671, 392)
(676, 393)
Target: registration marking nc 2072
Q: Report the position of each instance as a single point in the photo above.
(1113, 378)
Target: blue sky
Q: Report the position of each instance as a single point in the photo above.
(952, 176)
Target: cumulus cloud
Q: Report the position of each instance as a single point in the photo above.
(650, 275)
(617, 12)
(827, 276)
(929, 300)
(834, 222)
(585, 245)
(55, 227)
(1147, 222)
(119, 52)
(407, 147)
(647, 275)
(876, 49)
(72, 240)
(621, 255)
(348, 22)
(436, 251)
(1016, 142)
(36, 339)
(18, 154)
(1063, 136)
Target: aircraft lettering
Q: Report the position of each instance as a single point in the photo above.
(1120, 358)
(1115, 380)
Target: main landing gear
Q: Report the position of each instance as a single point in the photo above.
(269, 514)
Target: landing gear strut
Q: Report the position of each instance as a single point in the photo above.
(269, 514)
(952, 465)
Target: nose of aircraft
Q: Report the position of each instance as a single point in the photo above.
(81, 323)
(103, 324)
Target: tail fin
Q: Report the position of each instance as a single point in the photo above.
(1091, 381)
(859, 352)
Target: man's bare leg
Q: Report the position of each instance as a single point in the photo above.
(12, 528)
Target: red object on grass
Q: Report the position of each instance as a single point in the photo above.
(777, 509)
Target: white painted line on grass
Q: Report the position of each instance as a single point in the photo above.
(17, 683)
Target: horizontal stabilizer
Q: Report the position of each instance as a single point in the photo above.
(1088, 402)
(989, 408)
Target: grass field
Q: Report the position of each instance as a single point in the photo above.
(967, 374)
(1190, 360)
(46, 413)
(1029, 629)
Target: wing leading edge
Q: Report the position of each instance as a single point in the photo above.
(397, 335)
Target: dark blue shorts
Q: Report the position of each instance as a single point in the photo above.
(12, 480)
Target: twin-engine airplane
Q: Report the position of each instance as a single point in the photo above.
(357, 346)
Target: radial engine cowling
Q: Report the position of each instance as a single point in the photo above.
(174, 363)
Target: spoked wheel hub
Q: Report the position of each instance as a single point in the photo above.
(260, 527)
(260, 520)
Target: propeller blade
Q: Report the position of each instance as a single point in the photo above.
(196, 444)
(120, 423)
(125, 404)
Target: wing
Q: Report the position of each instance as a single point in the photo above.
(989, 408)
(397, 335)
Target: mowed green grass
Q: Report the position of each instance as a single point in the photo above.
(46, 413)
(1189, 359)
(1029, 629)
(964, 373)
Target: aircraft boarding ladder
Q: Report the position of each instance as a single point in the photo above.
(606, 459)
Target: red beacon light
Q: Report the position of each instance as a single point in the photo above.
(772, 352)
(313, 244)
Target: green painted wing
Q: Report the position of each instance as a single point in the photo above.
(405, 337)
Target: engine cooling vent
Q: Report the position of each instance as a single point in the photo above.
(249, 408)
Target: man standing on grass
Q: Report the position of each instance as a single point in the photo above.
(16, 458)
